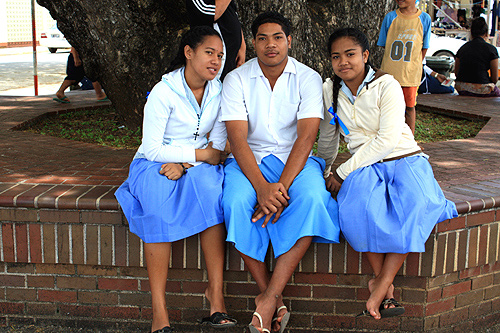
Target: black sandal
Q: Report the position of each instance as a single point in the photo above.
(216, 318)
(166, 329)
(397, 310)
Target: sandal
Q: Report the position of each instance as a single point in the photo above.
(63, 100)
(253, 329)
(397, 310)
(166, 329)
(284, 320)
(215, 320)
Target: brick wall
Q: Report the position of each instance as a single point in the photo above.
(83, 267)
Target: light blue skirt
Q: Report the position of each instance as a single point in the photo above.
(162, 210)
(311, 210)
(392, 207)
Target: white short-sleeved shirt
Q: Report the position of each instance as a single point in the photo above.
(272, 114)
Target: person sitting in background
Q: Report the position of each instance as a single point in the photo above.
(473, 61)
(432, 83)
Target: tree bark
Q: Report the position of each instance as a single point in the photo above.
(127, 44)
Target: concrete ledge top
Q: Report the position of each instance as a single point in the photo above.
(39, 171)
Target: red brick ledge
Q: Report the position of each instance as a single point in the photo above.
(98, 197)
(477, 205)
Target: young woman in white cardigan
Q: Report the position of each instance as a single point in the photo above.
(388, 198)
(174, 186)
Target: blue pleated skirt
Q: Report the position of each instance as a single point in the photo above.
(311, 210)
(392, 207)
(162, 210)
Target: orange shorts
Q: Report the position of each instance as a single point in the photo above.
(410, 96)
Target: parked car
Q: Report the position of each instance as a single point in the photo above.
(53, 39)
(447, 47)
(441, 46)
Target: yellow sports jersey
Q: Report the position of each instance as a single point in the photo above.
(404, 37)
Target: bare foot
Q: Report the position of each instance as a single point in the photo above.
(388, 295)
(101, 96)
(379, 289)
(216, 299)
(160, 318)
(265, 306)
(278, 315)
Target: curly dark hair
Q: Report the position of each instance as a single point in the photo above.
(271, 17)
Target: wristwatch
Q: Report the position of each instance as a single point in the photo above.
(436, 74)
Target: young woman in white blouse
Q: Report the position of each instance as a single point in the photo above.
(174, 186)
(388, 198)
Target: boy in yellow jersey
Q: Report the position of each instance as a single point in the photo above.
(405, 34)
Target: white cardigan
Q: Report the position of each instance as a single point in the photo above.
(376, 124)
(170, 121)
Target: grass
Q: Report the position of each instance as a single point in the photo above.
(99, 126)
(102, 126)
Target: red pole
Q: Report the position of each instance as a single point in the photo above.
(35, 66)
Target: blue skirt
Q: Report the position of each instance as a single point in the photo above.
(311, 210)
(392, 207)
(162, 210)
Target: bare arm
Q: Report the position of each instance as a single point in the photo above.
(424, 52)
(220, 8)
(240, 57)
(76, 57)
(494, 70)
(457, 65)
(307, 129)
(270, 196)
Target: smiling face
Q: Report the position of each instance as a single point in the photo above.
(406, 4)
(205, 59)
(271, 45)
(348, 61)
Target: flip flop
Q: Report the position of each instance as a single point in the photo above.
(64, 100)
(216, 318)
(284, 320)
(397, 310)
(105, 99)
(386, 313)
(166, 329)
(255, 330)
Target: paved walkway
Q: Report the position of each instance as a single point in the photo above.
(46, 172)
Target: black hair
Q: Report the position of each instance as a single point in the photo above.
(478, 27)
(193, 37)
(358, 38)
(271, 17)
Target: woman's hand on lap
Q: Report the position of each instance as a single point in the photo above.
(172, 171)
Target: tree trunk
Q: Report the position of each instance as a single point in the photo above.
(127, 44)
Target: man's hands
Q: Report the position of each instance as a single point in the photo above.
(272, 199)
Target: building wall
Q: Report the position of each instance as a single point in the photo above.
(15, 22)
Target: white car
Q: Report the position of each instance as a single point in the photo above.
(53, 39)
(441, 46)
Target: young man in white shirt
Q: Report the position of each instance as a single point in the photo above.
(272, 106)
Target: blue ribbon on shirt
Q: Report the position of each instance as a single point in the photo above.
(336, 119)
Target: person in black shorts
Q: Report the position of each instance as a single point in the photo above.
(75, 73)
(220, 14)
